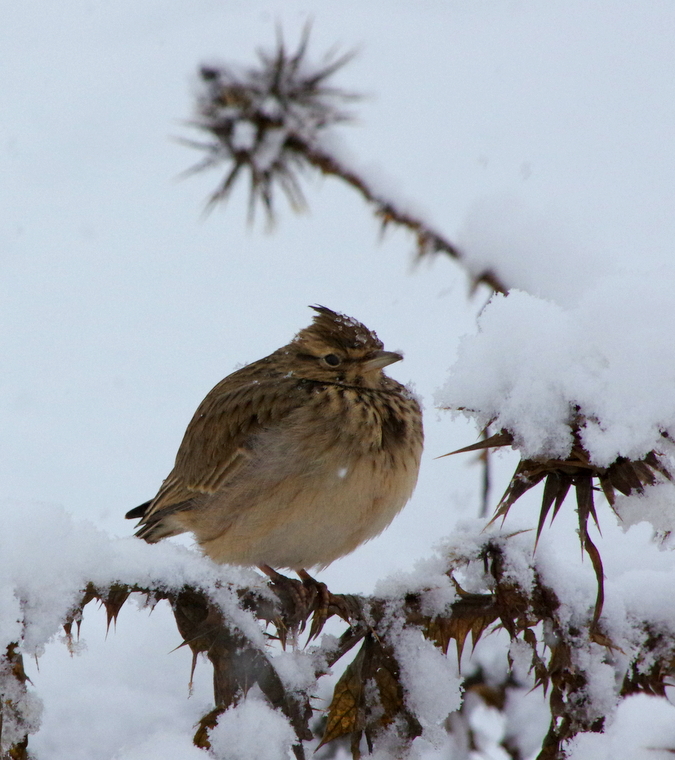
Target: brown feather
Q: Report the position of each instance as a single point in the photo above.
(292, 461)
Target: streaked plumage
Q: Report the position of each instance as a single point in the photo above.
(296, 459)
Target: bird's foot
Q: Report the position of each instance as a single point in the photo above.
(326, 604)
(304, 598)
(321, 599)
(296, 603)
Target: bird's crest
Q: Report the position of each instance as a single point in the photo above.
(339, 330)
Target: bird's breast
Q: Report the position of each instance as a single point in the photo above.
(333, 476)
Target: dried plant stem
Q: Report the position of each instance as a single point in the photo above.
(11, 665)
(487, 477)
(428, 239)
(374, 672)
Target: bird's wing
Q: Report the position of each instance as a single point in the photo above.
(218, 441)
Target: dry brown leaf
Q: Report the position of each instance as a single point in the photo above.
(368, 697)
(345, 710)
(473, 613)
(114, 600)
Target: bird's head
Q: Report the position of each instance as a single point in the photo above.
(337, 348)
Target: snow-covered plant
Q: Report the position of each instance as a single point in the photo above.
(587, 413)
(266, 120)
(402, 691)
(277, 119)
(558, 649)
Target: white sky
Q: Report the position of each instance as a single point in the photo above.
(541, 127)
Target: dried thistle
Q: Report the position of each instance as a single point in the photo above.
(269, 122)
(577, 471)
(369, 699)
(262, 120)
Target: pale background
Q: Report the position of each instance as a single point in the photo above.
(122, 305)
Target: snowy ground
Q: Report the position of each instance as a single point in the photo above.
(539, 135)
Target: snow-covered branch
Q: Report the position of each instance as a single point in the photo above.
(402, 690)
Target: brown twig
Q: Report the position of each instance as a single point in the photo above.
(267, 123)
(428, 239)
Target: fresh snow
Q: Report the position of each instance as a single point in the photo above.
(538, 136)
(533, 363)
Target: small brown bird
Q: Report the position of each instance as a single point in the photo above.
(295, 459)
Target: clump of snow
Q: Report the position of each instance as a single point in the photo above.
(21, 709)
(520, 656)
(654, 506)
(10, 615)
(600, 695)
(642, 729)
(502, 373)
(517, 560)
(388, 745)
(162, 746)
(574, 583)
(243, 135)
(638, 579)
(252, 731)
(467, 543)
(269, 149)
(527, 719)
(430, 678)
(433, 688)
(410, 391)
(533, 363)
(637, 599)
(429, 577)
(297, 668)
(47, 559)
(488, 724)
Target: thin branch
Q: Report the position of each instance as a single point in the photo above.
(269, 121)
(428, 239)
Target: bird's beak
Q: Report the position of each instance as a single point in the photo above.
(381, 359)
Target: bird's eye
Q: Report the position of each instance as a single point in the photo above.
(332, 359)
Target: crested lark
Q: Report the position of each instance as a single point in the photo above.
(295, 459)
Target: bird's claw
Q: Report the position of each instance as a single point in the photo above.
(321, 600)
(302, 599)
